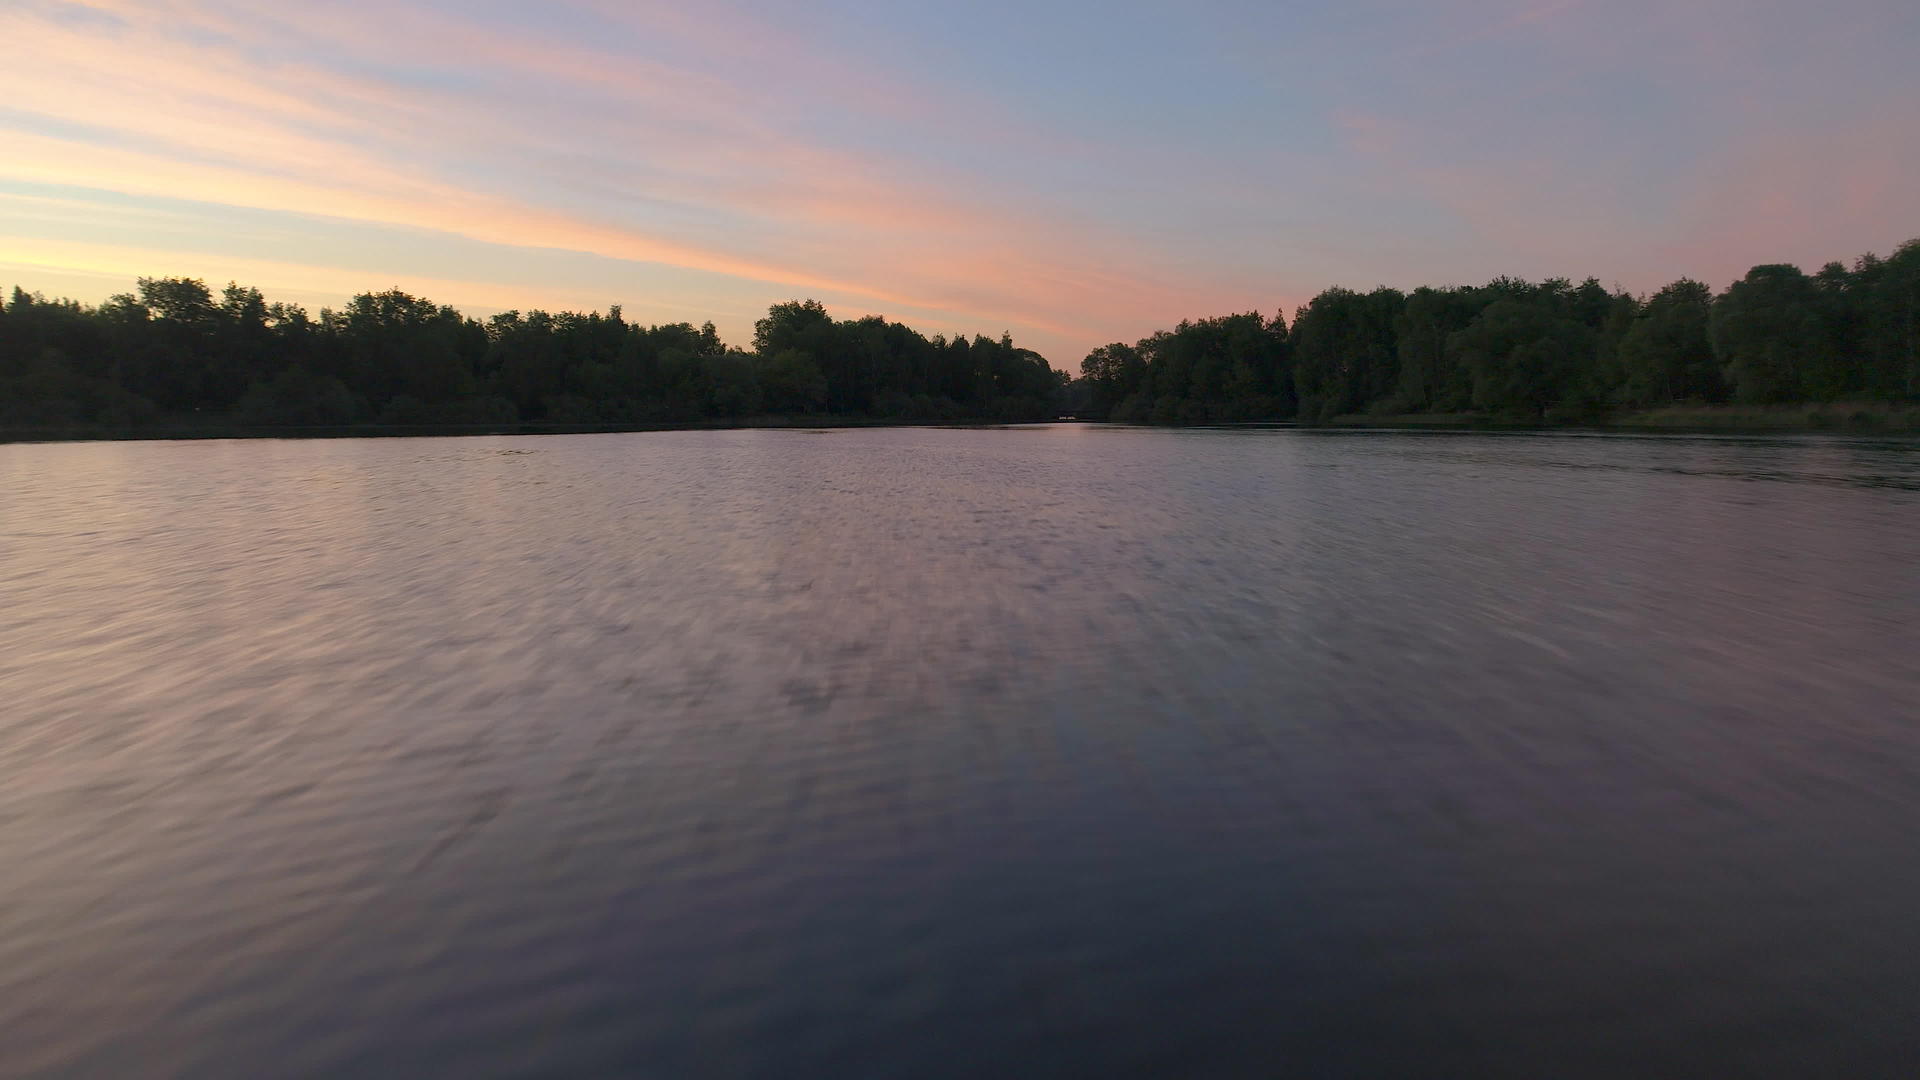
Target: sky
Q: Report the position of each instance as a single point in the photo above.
(1071, 173)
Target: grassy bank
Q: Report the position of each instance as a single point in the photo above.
(1417, 420)
(225, 430)
(1857, 417)
(1829, 416)
(1854, 416)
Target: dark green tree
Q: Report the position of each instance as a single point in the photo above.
(1667, 353)
(1524, 356)
(1767, 331)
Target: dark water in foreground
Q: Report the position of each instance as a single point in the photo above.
(917, 752)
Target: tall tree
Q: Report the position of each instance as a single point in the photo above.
(1767, 330)
(1667, 353)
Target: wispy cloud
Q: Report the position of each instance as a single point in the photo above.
(549, 145)
(1071, 183)
(1499, 25)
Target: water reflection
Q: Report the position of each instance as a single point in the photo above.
(935, 752)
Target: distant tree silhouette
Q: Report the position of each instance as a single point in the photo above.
(175, 351)
(1532, 351)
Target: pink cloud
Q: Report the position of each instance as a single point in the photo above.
(231, 129)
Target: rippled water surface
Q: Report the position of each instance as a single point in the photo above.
(919, 752)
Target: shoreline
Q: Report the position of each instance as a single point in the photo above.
(1842, 417)
(189, 432)
(1850, 418)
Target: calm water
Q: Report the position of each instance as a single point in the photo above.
(919, 752)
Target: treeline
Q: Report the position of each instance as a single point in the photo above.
(174, 353)
(1549, 351)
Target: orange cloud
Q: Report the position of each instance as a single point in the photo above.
(124, 263)
(557, 146)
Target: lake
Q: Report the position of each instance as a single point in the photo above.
(1071, 750)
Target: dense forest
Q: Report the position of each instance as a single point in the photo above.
(1517, 350)
(174, 355)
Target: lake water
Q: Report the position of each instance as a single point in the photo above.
(918, 752)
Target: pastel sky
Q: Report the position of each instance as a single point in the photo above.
(1074, 173)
